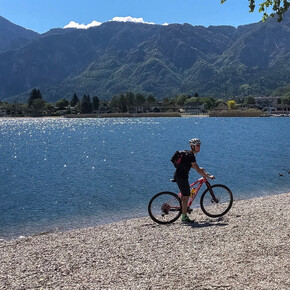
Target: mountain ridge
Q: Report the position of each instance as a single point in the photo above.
(13, 36)
(153, 59)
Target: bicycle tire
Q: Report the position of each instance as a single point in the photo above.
(224, 201)
(164, 207)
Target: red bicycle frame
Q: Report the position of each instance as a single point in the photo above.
(200, 182)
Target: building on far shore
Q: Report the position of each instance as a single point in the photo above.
(194, 108)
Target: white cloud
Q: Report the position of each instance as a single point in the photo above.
(94, 23)
(73, 24)
(130, 19)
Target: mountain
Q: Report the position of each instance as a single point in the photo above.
(13, 36)
(116, 57)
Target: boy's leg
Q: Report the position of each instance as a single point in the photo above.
(184, 200)
(184, 188)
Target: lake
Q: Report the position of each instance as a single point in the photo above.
(60, 174)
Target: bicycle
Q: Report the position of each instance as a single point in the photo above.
(215, 201)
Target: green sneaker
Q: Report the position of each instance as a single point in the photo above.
(185, 219)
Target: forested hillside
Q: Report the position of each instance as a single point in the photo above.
(218, 61)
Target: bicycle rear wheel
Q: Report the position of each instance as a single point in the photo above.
(216, 201)
(164, 207)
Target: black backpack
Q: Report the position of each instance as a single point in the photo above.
(176, 159)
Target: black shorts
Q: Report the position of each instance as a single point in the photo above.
(183, 185)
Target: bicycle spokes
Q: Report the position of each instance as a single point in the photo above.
(216, 200)
(165, 207)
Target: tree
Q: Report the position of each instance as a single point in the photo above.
(38, 105)
(140, 100)
(285, 100)
(209, 103)
(96, 103)
(250, 101)
(123, 103)
(62, 104)
(86, 105)
(278, 6)
(74, 100)
(34, 95)
(48, 107)
(151, 100)
(181, 99)
(114, 103)
(232, 104)
(195, 100)
(165, 101)
(130, 99)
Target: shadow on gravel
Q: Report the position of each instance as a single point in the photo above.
(201, 224)
(206, 224)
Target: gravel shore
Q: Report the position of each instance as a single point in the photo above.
(247, 249)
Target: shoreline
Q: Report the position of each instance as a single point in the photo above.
(247, 249)
(107, 116)
(136, 116)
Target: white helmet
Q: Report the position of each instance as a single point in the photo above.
(194, 142)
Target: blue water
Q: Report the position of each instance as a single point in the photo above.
(59, 174)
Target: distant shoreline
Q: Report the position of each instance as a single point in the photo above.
(139, 115)
(111, 115)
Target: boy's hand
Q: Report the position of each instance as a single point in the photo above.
(211, 177)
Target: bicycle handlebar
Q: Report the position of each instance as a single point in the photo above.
(210, 176)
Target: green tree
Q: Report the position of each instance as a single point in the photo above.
(123, 103)
(285, 100)
(38, 104)
(86, 105)
(74, 100)
(114, 103)
(250, 101)
(193, 100)
(36, 108)
(166, 101)
(278, 6)
(181, 99)
(34, 95)
(209, 103)
(130, 99)
(78, 107)
(151, 100)
(96, 103)
(62, 104)
(48, 107)
(140, 99)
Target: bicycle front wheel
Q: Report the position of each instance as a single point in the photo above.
(164, 207)
(216, 201)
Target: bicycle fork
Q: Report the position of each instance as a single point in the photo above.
(214, 199)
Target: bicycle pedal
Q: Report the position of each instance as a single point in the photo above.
(189, 210)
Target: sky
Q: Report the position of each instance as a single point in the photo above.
(43, 15)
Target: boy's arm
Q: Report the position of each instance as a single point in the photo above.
(201, 171)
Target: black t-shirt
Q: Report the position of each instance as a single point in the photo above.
(182, 170)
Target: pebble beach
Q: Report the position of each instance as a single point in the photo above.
(249, 248)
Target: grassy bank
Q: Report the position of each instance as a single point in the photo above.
(236, 113)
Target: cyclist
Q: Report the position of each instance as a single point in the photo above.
(181, 175)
